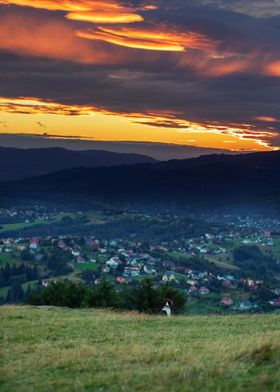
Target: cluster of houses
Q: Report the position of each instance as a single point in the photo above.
(126, 261)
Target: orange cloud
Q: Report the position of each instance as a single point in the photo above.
(54, 39)
(149, 39)
(23, 105)
(215, 64)
(267, 119)
(100, 11)
(229, 68)
(104, 17)
(52, 5)
(273, 69)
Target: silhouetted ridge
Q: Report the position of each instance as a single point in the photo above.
(20, 163)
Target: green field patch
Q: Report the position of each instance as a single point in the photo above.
(86, 266)
(222, 263)
(32, 284)
(22, 225)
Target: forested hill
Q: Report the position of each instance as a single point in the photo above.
(213, 181)
(18, 163)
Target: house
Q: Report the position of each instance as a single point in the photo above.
(7, 241)
(33, 244)
(105, 269)
(113, 262)
(227, 284)
(125, 253)
(275, 302)
(249, 282)
(134, 261)
(45, 283)
(61, 245)
(94, 244)
(192, 282)
(132, 271)
(246, 305)
(226, 301)
(193, 289)
(120, 279)
(149, 270)
(230, 278)
(168, 276)
(204, 291)
(75, 252)
(80, 260)
(196, 275)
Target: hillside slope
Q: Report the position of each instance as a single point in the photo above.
(209, 182)
(16, 163)
(53, 349)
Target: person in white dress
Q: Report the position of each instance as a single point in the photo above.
(166, 310)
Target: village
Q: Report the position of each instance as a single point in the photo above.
(204, 267)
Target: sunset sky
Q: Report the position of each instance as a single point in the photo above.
(193, 72)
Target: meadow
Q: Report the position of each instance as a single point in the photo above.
(58, 349)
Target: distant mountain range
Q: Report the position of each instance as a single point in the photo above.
(18, 163)
(157, 150)
(210, 182)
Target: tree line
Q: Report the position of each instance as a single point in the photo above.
(21, 273)
(143, 298)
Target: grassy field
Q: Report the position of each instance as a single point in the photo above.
(54, 349)
(87, 266)
(22, 225)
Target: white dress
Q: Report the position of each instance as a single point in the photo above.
(167, 309)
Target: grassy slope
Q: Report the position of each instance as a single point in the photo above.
(53, 349)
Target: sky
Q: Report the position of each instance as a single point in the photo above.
(200, 73)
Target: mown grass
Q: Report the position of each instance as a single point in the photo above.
(87, 266)
(54, 349)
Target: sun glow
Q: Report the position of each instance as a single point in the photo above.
(28, 112)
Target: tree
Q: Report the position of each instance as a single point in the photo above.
(103, 295)
(265, 293)
(15, 293)
(146, 298)
(178, 298)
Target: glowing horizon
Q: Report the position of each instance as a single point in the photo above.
(29, 115)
